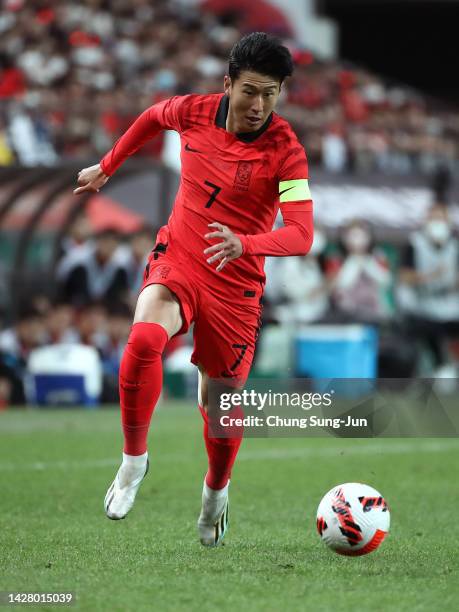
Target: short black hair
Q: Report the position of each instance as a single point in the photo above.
(262, 53)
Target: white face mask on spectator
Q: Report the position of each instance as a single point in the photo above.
(438, 231)
(357, 239)
(319, 243)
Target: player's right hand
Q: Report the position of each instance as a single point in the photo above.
(90, 179)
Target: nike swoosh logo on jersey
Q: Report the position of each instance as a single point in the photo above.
(288, 189)
(188, 148)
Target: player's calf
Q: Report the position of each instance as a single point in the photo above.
(141, 375)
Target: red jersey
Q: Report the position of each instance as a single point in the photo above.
(239, 180)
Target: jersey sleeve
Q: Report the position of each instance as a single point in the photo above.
(294, 193)
(295, 238)
(166, 115)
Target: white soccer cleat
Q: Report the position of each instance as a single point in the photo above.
(213, 520)
(121, 494)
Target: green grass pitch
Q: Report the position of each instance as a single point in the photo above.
(55, 467)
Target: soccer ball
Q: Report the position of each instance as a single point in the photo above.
(353, 519)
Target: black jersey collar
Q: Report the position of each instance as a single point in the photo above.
(222, 114)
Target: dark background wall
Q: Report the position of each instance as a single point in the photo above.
(412, 41)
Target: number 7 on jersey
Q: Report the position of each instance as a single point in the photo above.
(213, 195)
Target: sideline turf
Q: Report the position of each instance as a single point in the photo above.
(55, 467)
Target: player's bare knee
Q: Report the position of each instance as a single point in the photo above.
(157, 304)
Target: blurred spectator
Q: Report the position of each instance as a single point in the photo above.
(334, 150)
(119, 321)
(141, 243)
(28, 134)
(362, 277)
(429, 285)
(27, 333)
(16, 342)
(304, 285)
(77, 234)
(60, 324)
(91, 324)
(361, 281)
(96, 270)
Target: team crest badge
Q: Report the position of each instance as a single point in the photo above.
(243, 175)
(161, 272)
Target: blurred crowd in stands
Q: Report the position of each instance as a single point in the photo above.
(98, 280)
(410, 295)
(74, 75)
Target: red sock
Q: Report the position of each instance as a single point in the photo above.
(141, 380)
(221, 454)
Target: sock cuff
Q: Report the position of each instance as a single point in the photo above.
(151, 328)
(137, 460)
(216, 493)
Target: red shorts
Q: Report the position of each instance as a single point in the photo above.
(225, 331)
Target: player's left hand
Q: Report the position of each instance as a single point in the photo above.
(229, 249)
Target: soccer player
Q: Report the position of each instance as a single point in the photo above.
(240, 163)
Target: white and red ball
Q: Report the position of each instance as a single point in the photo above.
(353, 519)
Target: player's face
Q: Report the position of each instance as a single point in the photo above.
(252, 97)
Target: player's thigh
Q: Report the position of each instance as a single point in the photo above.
(158, 304)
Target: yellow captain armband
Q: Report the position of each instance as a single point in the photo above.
(294, 191)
